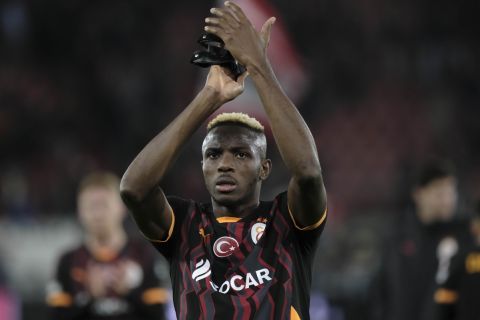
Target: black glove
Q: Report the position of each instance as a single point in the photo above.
(215, 54)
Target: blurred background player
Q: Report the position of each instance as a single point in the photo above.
(420, 247)
(457, 296)
(108, 276)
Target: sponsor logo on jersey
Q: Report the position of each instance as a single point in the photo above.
(108, 307)
(446, 249)
(225, 246)
(240, 282)
(202, 270)
(237, 282)
(257, 231)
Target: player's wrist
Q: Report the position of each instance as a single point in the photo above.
(211, 97)
(261, 69)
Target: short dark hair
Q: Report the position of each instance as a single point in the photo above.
(434, 169)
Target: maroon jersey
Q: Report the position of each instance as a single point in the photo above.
(68, 295)
(258, 267)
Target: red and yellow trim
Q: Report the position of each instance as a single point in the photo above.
(310, 227)
(59, 299)
(445, 296)
(170, 230)
(155, 296)
(228, 219)
(294, 314)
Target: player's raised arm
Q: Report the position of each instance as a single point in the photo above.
(140, 185)
(306, 192)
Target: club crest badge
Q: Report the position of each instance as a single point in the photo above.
(225, 246)
(257, 231)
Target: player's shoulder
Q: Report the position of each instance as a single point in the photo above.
(180, 204)
(183, 208)
(280, 200)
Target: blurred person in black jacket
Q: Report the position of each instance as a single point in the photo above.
(456, 297)
(420, 247)
(108, 276)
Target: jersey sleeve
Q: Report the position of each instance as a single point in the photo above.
(307, 236)
(63, 300)
(180, 208)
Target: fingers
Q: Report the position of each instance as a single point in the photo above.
(226, 13)
(212, 21)
(216, 31)
(223, 70)
(216, 24)
(235, 8)
(215, 68)
(267, 26)
(220, 22)
(223, 17)
(267, 29)
(225, 21)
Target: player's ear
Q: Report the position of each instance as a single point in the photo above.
(265, 169)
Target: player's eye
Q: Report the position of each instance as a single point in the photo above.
(212, 155)
(241, 155)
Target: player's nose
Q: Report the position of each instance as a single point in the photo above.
(226, 163)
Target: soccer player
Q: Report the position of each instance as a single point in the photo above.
(235, 257)
(457, 296)
(420, 247)
(108, 276)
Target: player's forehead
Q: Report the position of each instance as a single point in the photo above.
(229, 136)
(96, 192)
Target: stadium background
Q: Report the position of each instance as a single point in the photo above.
(85, 84)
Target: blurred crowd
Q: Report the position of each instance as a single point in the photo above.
(84, 85)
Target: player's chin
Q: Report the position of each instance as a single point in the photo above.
(227, 199)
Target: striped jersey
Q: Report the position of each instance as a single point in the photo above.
(257, 267)
(69, 295)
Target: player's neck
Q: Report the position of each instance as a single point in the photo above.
(114, 240)
(237, 210)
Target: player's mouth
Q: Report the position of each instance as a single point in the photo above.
(225, 185)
